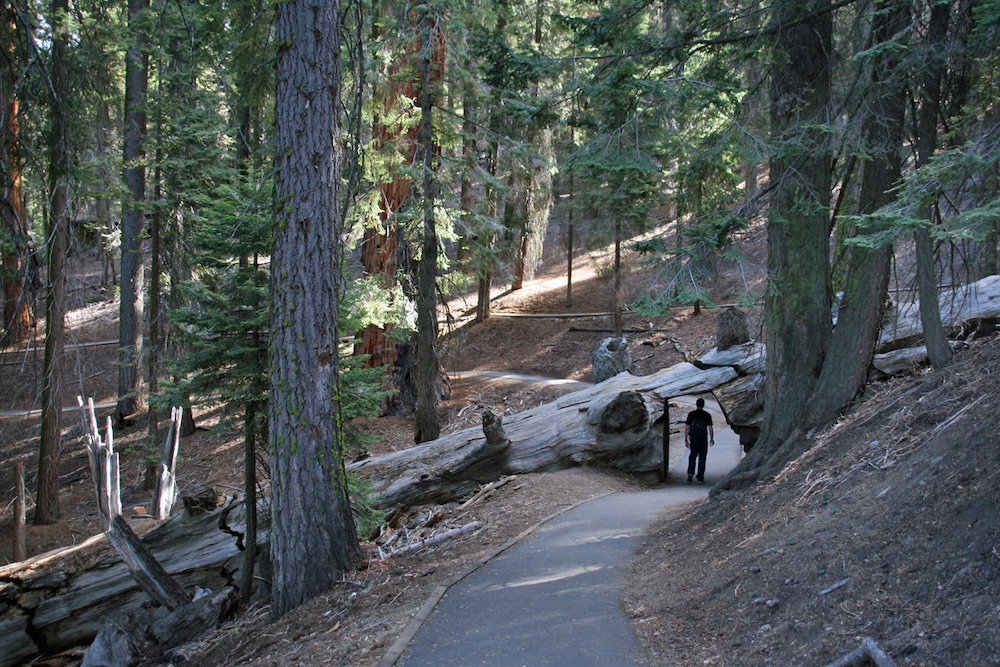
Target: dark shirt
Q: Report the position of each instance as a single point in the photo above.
(699, 421)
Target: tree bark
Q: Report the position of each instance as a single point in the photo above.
(47, 508)
(314, 539)
(797, 305)
(133, 221)
(17, 309)
(469, 160)
(569, 240)
(152, 416)
(483, 297)
(426, 422)
(619, 296)
(250, 500)
(19, 549)
(845, 368)
(930, 104)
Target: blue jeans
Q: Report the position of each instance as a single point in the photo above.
(699, 450)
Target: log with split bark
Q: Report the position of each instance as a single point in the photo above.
(608, 425)
(61, 599)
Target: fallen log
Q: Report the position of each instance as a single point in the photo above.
(145, 569)
(568, 432)
(435, 540)
(901, 324)
(61, 599)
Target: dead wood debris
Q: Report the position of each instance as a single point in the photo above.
(868, 652)
(965, 386)
(407, 533)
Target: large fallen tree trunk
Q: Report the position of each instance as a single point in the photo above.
(573, 430)
(963, 307)
(978, 301)
(61, 599)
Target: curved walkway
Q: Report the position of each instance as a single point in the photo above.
(553, 598)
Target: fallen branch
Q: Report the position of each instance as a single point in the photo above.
(839, 584)
(437, 539)
(486, 490)
(868, 651)
(145, 569)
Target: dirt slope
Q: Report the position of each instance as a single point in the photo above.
(901, 499)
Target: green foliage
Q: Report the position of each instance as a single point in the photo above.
(367, 517)
(962, 187)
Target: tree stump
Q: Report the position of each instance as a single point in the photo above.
(733, 329)
(612, 357)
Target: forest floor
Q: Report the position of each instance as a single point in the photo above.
(900, 497)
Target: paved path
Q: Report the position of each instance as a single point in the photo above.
(553, 599)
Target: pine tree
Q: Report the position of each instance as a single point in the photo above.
(57, 233)
(313, 536)
(133, 218)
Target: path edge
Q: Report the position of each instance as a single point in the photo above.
(403, 640)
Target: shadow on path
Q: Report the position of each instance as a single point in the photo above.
(553, 598)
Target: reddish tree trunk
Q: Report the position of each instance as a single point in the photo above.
(16, 299)
(380, 246)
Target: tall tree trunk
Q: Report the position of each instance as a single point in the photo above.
(152, 417)
(938, 350)
(50, 448)
(426, 422)
(313, 536)
(845, 368)
(469, 159)
(380, 246)
(102, 203)
(483, 296)
(133, 221)
(16, 311)
(797, 304)
(570, 193)
(619, 297)
(250, 437)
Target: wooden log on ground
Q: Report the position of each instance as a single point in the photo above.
(61, 599)
(145, 569)
(868, 653)
(436, 539)
(565, 433)
(901, 324)
(904, 360)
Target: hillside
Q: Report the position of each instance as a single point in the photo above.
(900, 496)
(900, 499)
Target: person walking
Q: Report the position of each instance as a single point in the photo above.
(698, 434)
